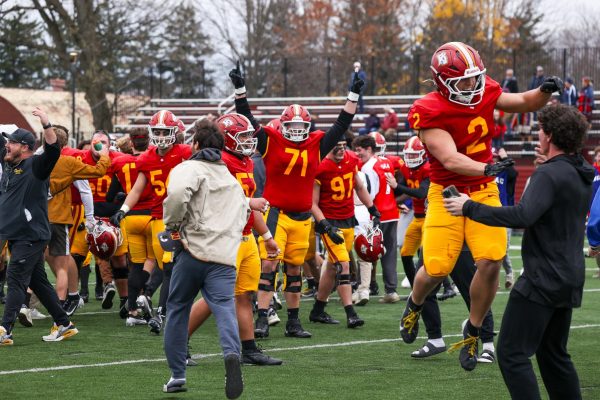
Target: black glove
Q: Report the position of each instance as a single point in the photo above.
(117, 218)
(170, 240)
(376, 216)
(496, 168)
(357, 84)
(120, 198)
(236, 77)
(334, 233)
(552, 84)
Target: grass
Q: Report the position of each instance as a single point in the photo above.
(367, 363)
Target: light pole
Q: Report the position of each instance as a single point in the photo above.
(73, 56)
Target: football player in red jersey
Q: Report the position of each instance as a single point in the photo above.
(240, 144)
(154, 167)
(291, 159)
(116, 267)
(454, 124)
(138, 227)
(333, 209)
(380, 174)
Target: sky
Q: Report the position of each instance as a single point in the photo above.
(565, 12)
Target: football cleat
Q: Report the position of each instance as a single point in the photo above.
(156, 323)
(261, 327)
(354, 321)
(293, 328)
(234, 383)
(447, 294)
(108, 295)
(145, 304)
(272, 317)
(133, 320)
(257, 357)
(60, 332)
(409, 324)
(322, 317)
(25, 317)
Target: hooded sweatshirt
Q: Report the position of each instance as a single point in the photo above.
(552, 211)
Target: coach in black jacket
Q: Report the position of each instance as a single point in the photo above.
(552, 211)
(24, 224)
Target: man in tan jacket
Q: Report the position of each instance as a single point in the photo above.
(66, 171)
(209, 209)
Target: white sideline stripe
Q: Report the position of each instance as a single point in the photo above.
(199, 356)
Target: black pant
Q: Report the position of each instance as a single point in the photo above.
(26, 269)
(529, 328)
(462, 275)
(389, 260)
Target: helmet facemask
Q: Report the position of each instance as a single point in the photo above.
(467, 97)
(296, 130)
(245, 142)
(163, 141)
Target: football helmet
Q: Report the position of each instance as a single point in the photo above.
(369, 245)
(104, 239)
(239, 134)
(167, 121)
(451, 63)
(379, 143)
(275, 124)
(295, 123)
(414, 152)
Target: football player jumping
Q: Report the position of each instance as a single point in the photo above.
(291, 159)
(455, 125)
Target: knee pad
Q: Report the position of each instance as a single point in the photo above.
(343, 279)
(120, 273)
(267, 276)
(288, 280)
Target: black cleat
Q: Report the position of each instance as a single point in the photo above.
(261, 327)
(293, 328)
(469, 349)
(322, 317)
(447, 294)
(155, 324)
(71, 304)
(409, 324)
(123, 311)
(234, 383)
(373, 289)
(257, 357)
(108, 295)
(355, 321)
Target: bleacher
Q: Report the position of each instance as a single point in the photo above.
(326, 110)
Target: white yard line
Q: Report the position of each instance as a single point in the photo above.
(199, 356)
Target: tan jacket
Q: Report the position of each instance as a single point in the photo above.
(210, 209)
(67, 170)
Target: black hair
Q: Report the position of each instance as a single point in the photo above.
(364, 141)
(207, 135)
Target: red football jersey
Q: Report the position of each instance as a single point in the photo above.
(413, 178)
(290, 169)
(157, 168)
(397, 162)
(337, 185)
(243, 170)
(99, 186)
(126, 172)
(471, 128)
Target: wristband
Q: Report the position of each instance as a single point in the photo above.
(240, 91)
(267, 235)
(353, 97)
(47, 126)
(125, 208)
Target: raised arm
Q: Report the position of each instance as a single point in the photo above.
(530, 100)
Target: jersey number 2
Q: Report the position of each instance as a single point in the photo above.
(479, 145)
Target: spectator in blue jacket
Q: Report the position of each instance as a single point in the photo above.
(569, 94)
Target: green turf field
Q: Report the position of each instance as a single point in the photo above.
(110, 361)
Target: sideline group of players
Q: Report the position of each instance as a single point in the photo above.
(312, 176)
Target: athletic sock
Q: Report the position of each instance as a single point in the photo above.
(293, 313)
(319, 306)
(439, 342)
(248, 345)
(350, 311)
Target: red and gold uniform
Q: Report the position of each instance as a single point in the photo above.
(414, 231)
(137, 221)
(336, 201)
(291, 168)
(156, 169)
(248, 259)
(471, 128)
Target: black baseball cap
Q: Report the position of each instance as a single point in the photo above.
(22, 136)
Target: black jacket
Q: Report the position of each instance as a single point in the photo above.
(510, 85)
(552, 211)
(24, 195)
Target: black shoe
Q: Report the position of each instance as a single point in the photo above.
(71, 304)
(322, 317)
(447, 294)
(469, 349)
(261, 327)
(234, 383)
(108, 295)
(155, 324)
(85, 296)
(373, 289)
(427, 350)
(355, 321)
(409, 324)
(123, 311)
(293, 328)
(257, 357)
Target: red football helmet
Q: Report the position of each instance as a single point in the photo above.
(238, 132)
(295, 123)
(275, 124)
(453, 62)
(166, 121)
(414, 152)
(379, 142)
(369, 246)
(103, 239)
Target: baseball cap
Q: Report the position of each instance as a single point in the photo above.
(22, 136)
